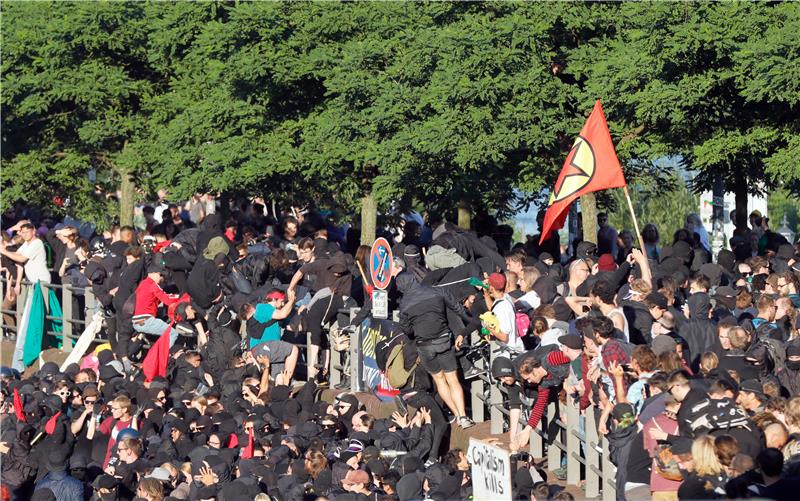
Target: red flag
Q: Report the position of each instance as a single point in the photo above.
(18, 409)
(591, 165)
(50, 426)
(247, 452)
(155, 362)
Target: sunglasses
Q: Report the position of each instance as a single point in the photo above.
(89, 401)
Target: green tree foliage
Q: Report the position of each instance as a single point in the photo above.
(715, 83)
(780, 204)
(664, 203)
(75, 76)
(435, 103)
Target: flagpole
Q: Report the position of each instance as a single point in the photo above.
(636, 225)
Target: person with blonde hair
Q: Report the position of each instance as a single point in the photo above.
(708, 476)
(792, 413)
(150, 489)
(529, 277)
(708, 362)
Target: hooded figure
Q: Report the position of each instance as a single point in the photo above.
(412, 258)
(212, 227)
(698, 332)
(409, 487)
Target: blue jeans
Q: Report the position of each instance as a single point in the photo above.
(156, 326)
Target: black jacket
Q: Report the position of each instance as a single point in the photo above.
(129, 279)
(204, 283)
(640, 322)
(423, 309)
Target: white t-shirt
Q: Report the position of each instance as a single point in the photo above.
(550, 336)
(503, 309)
(36, 266)
(531, 298)
(625, 330)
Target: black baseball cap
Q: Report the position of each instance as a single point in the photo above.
(573, 341)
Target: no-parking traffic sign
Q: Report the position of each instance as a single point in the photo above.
(380, 263)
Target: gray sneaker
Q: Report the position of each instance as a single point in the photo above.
(465, 422)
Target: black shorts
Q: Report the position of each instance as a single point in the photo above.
(437, 357)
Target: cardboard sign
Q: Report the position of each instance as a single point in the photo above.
(491, 471)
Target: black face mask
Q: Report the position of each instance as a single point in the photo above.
(793, 365)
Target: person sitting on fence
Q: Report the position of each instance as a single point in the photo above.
(31, 254)
(263, 319)
(149, 296)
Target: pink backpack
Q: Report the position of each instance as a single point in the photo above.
(523, 322)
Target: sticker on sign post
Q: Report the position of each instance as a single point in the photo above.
(491, 471)
(380, 304)
(380, 263)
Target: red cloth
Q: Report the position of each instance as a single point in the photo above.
(557, 358)
(587, 384)
(155, 362)
(233, 441)
(161, 245)
(591, 165)
(50, 426)
(112, 427)
(18, 409)
(184, 298)
(247, 452)
(148, 296)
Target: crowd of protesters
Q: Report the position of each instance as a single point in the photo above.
(690, 364)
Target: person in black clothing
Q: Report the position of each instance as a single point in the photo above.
(178, 446)
(735, 359)
(423, 316)
(332, 283)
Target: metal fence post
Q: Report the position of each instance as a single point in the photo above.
(609, 473)
(476, 386)
(496, 401)
(309, 365)
(592, 455)
(355, 340)
(573, 443)
(20, 305)
(66, 320)
(537, 444)
(553, 452)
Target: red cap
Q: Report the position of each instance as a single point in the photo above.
(276, 295)
(498, 281)
(606, 263)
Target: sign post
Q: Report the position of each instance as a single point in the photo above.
(491, 471)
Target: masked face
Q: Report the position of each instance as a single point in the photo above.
(793, 363)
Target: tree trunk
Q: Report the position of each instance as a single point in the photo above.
(127, 199)
(740, 192)
(369, 218)
(589, 217)
(464, 216)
